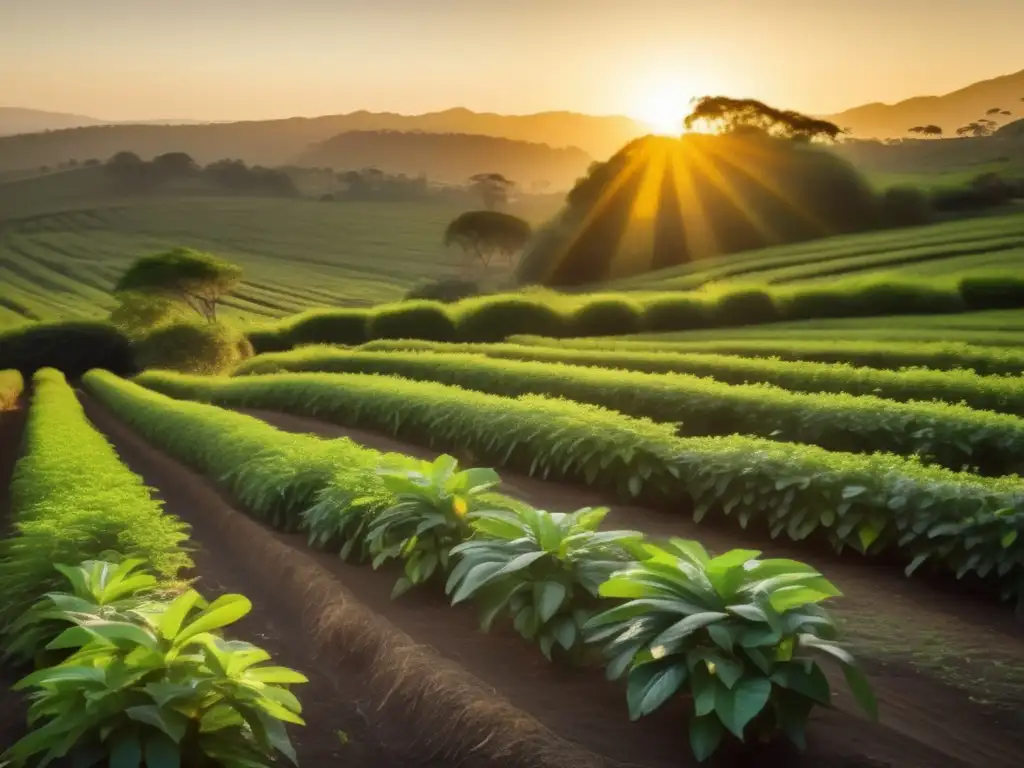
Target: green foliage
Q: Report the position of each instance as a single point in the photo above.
(341, 326)
(72, 498)
(873, 354)
(198, 279)
(445, 291)
(72, 348)
(159, 684)
(540, 569)
(494, 318)
(992, 291)
(428, 516)
(746, 306)
(991, 393)
(607, 317)
(411, 320)
(741, 636)
(485, 234)
(679, 312)
(12, 383)
(950, 435)
(137, 314)
(960, 523)
(190, 347)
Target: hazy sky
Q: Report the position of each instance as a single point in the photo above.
(251, 59)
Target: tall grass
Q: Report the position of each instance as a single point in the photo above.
(72, 500)
(960, 522)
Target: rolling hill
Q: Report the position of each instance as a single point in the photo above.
(15, 120)
(448, 156)
(276, 142)
(948, 111)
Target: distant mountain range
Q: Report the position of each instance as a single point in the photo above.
(15, 120)
(948, 112)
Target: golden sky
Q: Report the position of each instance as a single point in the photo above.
(255, 59)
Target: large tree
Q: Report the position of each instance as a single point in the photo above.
(926, 130)
(198, 279)
(482, 234)
(729, 115)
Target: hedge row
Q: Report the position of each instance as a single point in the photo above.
(73, 500)
(943, 356)
(953, 436)
(12, 384)
(494, 318)
(72, 348)
(960, 522)
(992, 393)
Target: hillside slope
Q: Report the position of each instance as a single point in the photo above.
(948, 111)
(19, 120)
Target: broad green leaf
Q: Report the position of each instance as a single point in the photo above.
(861, 690)
(172, 618)
(161, 752)
(223, 611)
(477, 577)
(168, 721)
(522, 561)
(276, 675)
(548, 597)
(686, 626)
(740, 704)
(705, 736)
(126, 752)
(788, 598)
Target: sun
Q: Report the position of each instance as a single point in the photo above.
(662, 105)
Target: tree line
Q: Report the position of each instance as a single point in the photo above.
(130, 172)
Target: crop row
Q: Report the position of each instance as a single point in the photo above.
(991, 393)
(953, 436)
(963, 523)
(873, 354)
(545, 573)
(11, 386)
(72, 500)
(494, 318)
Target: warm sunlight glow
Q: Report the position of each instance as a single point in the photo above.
(662, 105)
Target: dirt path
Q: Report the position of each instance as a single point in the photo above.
(12, 706)
(937, 659)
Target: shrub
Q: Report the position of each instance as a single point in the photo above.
(445, 291)
(745, 306)
(268, 340)
(992, 291)
(411, 320)
(492, 319)
(904, 207)
(871, 298)
(741, 636)
(193, 348)
(72, 348)
(327, 326)
(606, 316)
(12, 383)
(676, 313)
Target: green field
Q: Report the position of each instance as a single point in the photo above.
(61, 252)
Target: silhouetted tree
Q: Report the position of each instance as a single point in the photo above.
(926, 130)
(993, 111)
(733, 115)
(1006, 112)
(485, 233)
(493, 189)
(198, 279)
(976, 129)
(174, 165)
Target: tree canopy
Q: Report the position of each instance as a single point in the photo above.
(729, 115)
(483, 234)
(926, 130)
(198, 279)
(493, 189)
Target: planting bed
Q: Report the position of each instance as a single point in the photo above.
(590, 712)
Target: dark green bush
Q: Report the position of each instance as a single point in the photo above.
(893, 298)
(495, 318)
(72, 348)
(269, 340)
(328, 326)
(606, 316)
(207, 348)
(904, 207)
(676, 313)
(446, 291)
(992, 291)
(412, 320)
(745, 306)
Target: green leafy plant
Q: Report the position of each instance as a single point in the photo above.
(742, 636)
(160, 688)
(543, 569)
(428, 517)
(109, 590)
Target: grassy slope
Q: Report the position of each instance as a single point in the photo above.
(61, 251)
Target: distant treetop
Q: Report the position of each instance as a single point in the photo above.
(731, 115)
(196, 278)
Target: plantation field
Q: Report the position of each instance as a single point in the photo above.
(297, 254)
(990, 244)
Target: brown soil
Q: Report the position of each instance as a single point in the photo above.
(939, 662)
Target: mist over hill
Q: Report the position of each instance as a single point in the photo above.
(451, 157)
